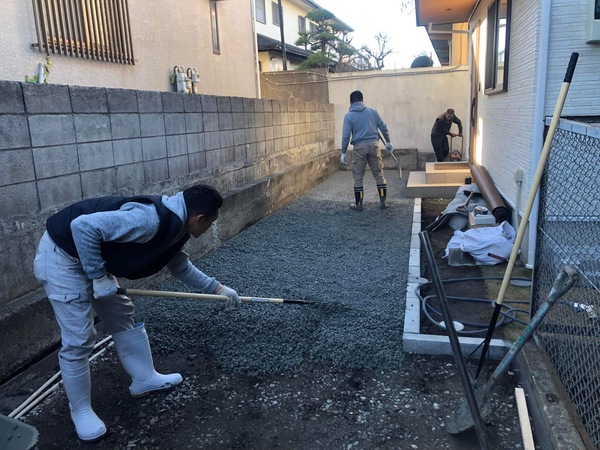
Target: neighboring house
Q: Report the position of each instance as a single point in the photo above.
(133, 44)
(519, 52)
(268, 30)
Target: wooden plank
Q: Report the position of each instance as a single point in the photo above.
(524, 419)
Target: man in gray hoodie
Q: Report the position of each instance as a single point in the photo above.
(362, 125)
(90, 243)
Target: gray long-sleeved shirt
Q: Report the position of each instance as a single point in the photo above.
(362, 124)
(137, 223)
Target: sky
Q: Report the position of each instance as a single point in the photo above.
(370, 17)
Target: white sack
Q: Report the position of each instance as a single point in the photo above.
(479, 242)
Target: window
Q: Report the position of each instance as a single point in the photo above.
(214, 25)
(301, 24)
(313, 27)
(275, 11)
(498, 31)
(261, 12)
(84, 29)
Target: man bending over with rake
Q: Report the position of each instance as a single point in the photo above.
(84, 248)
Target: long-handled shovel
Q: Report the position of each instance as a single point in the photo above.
(462, 419)
(222, 298)
(393, 156)
(530, 200)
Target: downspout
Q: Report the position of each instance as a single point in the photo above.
(255, 47)
(538, 121)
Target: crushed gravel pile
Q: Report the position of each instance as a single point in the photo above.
(354, 263)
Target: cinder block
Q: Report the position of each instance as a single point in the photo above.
(127, 151)
(130, 176)
(237, 104)
(174, 123)
(156, 171)
(259, 119)
(192, 103)
(209, 103)
(250, 135)
(224, 104)
(14, 131)
(197, 161)
(226, 138)
(249, 120)
(237, 120)
(125, 126)
(51, 130)
(260, 134)
(212, 140)
(248, 105)
(16, 166)
(59, 191)
(149, 102)
(11, 98)
(92, 127)
(258, 105)
(239, 137)
(99, 182)
(268, 119)
(154, 148)
(225, 121)
(55, 161)
(179, 166)
(46, 98)
(176, 145)
(194, 123)
(18, 199)
(195, 142)
(95, 155)
(276, 104)
(267, 105)
(211, 121)
(173, 101)
(88, 99)
(240, 152)
(122, 101)
(152, 125)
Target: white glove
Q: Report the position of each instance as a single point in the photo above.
(105, 286)
(343, 158)
(234, 298)
(389, 147)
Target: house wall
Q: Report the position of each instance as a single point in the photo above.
(291, 12)
(408, 101)
(510, 124)
(164, 33)
(60, 144)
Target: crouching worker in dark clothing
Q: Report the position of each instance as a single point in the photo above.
(440, 131)
(90, 243)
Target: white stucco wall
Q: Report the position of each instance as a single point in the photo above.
(408, 100)
(291, 12)
(164, 33)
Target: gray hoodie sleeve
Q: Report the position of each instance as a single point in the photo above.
(134, 222)
(182, 268)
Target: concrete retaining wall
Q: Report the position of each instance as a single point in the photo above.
(60, 144)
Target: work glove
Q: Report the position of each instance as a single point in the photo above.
(389, 147)
(105, 286)
(234, 298)
(343, 158)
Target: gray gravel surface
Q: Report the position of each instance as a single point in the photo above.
(261, 376)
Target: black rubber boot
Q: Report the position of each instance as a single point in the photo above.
(382, 189)
(358, 199)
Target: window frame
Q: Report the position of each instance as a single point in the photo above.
(260, 11)
(214, 27)
(275, 14)
(496, 71)
(301, 24)
(84, 29)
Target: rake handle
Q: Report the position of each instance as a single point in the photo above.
(198, 296)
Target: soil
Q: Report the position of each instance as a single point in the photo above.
(313, 406)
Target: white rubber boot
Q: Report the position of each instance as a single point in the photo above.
(78, 386)
(134, 352)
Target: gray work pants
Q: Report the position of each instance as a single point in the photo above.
(363, 154)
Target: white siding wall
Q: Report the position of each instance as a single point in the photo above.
(568, 28)
(507, 119)
(165, 33)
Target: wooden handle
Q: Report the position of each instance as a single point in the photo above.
(196, 296)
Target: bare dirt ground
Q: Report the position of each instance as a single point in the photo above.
(314, 406)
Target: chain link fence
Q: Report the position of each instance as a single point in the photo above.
(569, 233)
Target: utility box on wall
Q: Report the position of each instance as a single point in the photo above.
(593, 22)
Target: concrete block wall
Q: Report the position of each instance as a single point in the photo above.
(60, 144)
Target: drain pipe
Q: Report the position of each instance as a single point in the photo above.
(539, 123)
